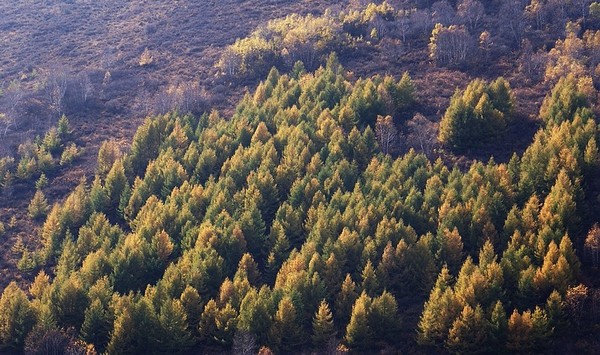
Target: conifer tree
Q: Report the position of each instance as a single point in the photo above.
(383, 317)
(115, 184)
(52, 233)
(286, 333)
(591, 157)
(123, 336)
(528, 331)
(554, 309)
(247, 268)
(499, 325)
(207, 327)
(439, 312)
(42, 182)
(175, 335)
(63, 127)
(469, 332)
(253, 228)
(108, 154)
(559, 209)
(192, 304)
(322, 326)
(479, 112)
(17, 317)
(451, 250)
(562, 103)
(96, 325)
(38, 207)
(40, 285)
(226, 323)
(370, 283)
(345, 300)
(358, 332)
(98, 196)
(255, 316)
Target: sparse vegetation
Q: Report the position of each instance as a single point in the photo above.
(146, 58)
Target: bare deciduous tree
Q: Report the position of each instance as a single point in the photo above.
(192, 98)
(471, 12)
(592, 245)
(56, 88)
(331, 348)
(185, 98)
(575, 301)
(85, 86)
(5, 123)
(442, 12)
(595, 296)
(244, 343)
(531, 63)
(230, 62)
(450, 45)
(512, 16)
(583, 7)
(485, 44)
(537, 12)
(560, 11)
(422, 134)
(11, 99)
(386, 133)
(404, 22)
(381, 26)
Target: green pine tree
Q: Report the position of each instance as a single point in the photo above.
(358, 332)
(322, 325)
(17, 317)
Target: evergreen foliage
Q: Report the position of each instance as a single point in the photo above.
(288, 220)
(477, 114)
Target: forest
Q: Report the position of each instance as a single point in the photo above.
(335, 208)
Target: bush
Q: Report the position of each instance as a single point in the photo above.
(146, 58)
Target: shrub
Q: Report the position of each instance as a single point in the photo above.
(146, 58)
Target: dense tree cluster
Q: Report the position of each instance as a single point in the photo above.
(286, 40)
(287, 225)
(479, 112)
(282, 42)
